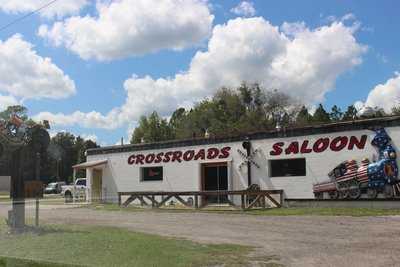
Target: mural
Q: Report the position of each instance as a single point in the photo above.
(349, 180)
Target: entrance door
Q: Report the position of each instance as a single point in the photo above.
(215, 178)
(97, 185)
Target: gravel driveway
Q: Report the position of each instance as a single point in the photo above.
(296, 240)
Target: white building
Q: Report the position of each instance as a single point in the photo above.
(288, 159)
(5, 183)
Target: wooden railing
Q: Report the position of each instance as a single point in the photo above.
(199, 199)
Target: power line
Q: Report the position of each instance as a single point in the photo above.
(27, 15)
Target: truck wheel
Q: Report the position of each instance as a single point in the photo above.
(355, 193)
(354, 190)
(68, 197)
(388, 191)
(334, 195)
(372, 193)
(319, 195)
(344, 194)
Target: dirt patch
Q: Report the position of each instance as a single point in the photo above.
(293, 240)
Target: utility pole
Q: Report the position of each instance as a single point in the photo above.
(37, 195)
(247, 145)
(16, 216)
(18, 140)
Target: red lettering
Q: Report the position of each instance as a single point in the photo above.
(131, 160)
(360, 144)
(167, 156)
(150, 158)
(225, 152)
(177, 156)
(139, 159)
(277, 149)
(200, 155)
(292, 148)
(339, 143)
(321, 145)
(212, 153)
(188, 155)
(304, 147)
(159, 157)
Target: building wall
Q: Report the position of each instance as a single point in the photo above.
(5, 183)
(119, 176)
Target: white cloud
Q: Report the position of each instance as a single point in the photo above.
(88, 120)
(304, 65)
(57, 9)
(359, 105)
(244, 8)
(7, 100)
(91, 137)
(26, 75)
(294, 28)
(348, 16)
(385, 95)
(132, 27)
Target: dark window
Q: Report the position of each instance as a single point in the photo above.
(288, 167)
(152, 173)
(215, 179)
(81, 182)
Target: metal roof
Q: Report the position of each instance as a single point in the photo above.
(90, 164)
(363, 124)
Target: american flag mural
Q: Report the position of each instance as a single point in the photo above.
(350, 179)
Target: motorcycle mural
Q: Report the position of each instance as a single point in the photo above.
(350, 180)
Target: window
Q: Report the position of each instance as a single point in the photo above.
(151, 174)
(288, 167)
(81, 182)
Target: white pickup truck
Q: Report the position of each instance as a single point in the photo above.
(75, 191)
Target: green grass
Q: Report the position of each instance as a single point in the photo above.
(47, 199)
(17, 262)
(106, 246)
(4, 196)
(356, 212)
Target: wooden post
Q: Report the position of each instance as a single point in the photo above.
(243, 201)
(196, 201)
(73, 183)
(247, 145)
(17, 219)
(37, 197)
(119, 200)
(263, 202)
(281, 198)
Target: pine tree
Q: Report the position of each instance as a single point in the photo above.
(336, 114)
(303, 117)
(350, 114)
(320, 115)
(396, 110)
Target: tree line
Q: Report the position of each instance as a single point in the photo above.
(64, 151)
(248, 108)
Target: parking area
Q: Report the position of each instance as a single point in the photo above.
(296, 240)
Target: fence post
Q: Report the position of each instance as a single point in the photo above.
(243, 201)
(119, 200)
(263, 202)
(196, 201)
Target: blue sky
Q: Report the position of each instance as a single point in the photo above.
(99, 82)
